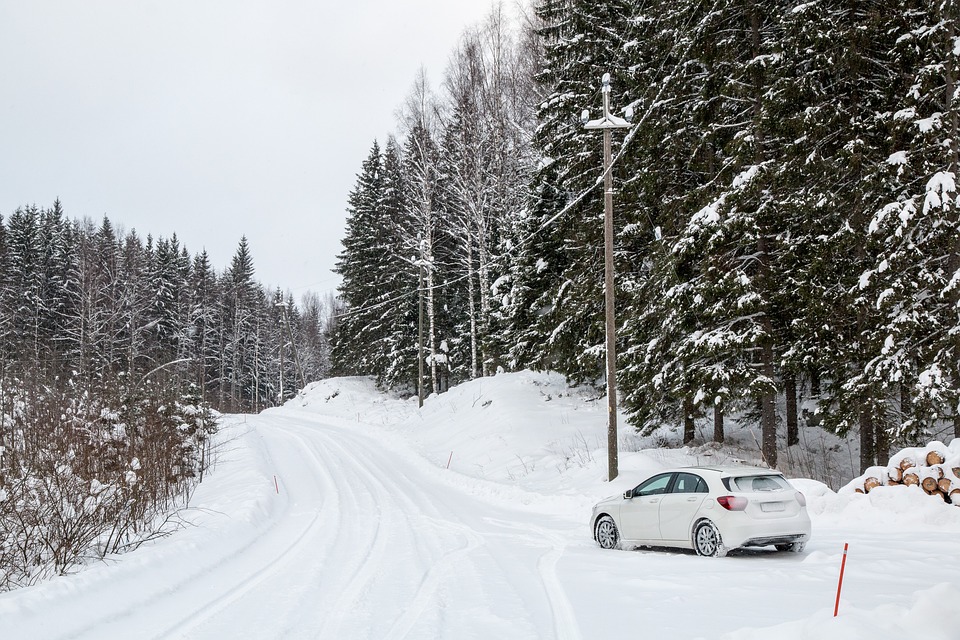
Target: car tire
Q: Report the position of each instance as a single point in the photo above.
(606, 533)
(706, 540)
(795, 547)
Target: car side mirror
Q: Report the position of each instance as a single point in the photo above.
(628, 494)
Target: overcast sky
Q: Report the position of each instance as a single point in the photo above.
(212, 118)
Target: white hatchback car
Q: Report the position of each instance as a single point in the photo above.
(711, 510)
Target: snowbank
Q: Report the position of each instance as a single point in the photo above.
(927, 618)
(530, 437)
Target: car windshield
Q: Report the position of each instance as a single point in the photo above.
(752, 484)
(653, 486)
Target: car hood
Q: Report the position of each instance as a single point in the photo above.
(609, 500)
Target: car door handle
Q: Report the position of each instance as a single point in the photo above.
(691, 499)
(654, 500)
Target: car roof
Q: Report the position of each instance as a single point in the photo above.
(730, 470)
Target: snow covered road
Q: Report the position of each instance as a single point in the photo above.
(360, 543)
(371, 537)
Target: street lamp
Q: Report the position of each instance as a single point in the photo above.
(607, 123)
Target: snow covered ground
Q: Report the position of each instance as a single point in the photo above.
(336, 516)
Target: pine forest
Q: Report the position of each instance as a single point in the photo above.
(787, 247)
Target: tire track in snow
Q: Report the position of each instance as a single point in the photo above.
(212, 607)
(371, 561)
(423, 526)
(362, 482)
(565, 625)
(428, 587)
(153, 607)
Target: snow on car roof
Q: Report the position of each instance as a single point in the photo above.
(733, 470)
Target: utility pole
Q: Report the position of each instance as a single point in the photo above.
(420, 328)
(607, 123)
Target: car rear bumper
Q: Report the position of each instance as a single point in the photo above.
(747, 532)
(781, 539)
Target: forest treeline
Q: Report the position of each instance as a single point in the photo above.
(787, 244)
(114, 352)
(83, 302)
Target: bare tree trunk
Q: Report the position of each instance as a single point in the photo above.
(793, 430)
(906, 402)
(868, 443)
(689, 426)
(431, 316)
(768, 414)
(718, 434)
(953, 262)
(485, 307)
(472, 308)
(882, 453)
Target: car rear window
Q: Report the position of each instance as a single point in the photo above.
(756, 484)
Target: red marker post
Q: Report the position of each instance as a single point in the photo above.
(843, 564)
(449, 459)
(276, 484)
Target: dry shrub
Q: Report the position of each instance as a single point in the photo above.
(84, 475)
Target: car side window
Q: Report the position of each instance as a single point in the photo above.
(654, 486)
(689, 483)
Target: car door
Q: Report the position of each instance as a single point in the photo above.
(680, 506)
(639, 515)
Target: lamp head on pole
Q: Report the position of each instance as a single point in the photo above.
(608, 121)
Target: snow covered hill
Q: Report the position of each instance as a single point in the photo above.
(336, 516)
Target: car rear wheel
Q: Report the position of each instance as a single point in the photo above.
(608, 537)
(707, 542)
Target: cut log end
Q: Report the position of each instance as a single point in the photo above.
(929, 485)
(935, 457)
(945, 484)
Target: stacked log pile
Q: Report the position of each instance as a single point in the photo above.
(934, 468)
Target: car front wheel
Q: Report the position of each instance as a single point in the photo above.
(606, 533)
(707, 542)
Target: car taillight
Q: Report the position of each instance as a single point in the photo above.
(802, 499)
(732, 503)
